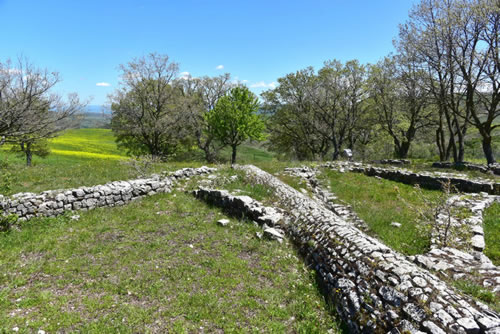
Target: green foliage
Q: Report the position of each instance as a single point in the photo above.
(6, 177)
(39, 147)
(234, 119)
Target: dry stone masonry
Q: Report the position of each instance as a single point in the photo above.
(55, 202)
(466, 261)
(374, 288)
(430, 180)
(267, 217)
(334, 204)
(491, 168)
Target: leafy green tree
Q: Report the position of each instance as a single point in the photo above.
(234, 119)
(147, 114)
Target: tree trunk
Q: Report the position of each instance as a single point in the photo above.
(29, 154)
(233, 156)
(440, 140)
(402, 150)
(209, 155)
(488, 151)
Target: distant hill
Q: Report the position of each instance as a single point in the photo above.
(94, 116)
(97, 109)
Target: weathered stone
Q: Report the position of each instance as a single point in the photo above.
(432, 328)
(223, 222)
(392, 296)
(470, 326)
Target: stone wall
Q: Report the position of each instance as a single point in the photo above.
(424, 179)
(465, 262)
(374, 288)
(492, 168)
(55, 202)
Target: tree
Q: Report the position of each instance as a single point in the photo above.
(338, 96)
(146, 112)
(201, 96)
(29, 111)
(293, 121)
(29, 147)
(400, 100)
(234, 119)
(458, 43)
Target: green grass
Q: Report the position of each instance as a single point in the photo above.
(248, 153)
(491, 226)
(84, 157)
(158, 265)
(378, 203)
(478, 292)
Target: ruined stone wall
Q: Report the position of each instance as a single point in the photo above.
(374, 288)
(55, 202)
(424, 179)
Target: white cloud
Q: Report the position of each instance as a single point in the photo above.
(262, 84)
(10, 70)
(103, 84)
(185, 75)
(244, 81)
(220, 67)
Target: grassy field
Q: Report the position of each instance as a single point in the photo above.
(84, 157)
(491, 227)
(158, 265)
(380, 202)
(162, 264)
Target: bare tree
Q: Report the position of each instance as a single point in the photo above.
(29, 110)
(458, 43)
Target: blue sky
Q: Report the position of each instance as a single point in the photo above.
(257, 41)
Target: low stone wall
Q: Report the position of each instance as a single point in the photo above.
(397, 162)
(492, 168)
(465, 263)
(374, 288)
(55, 202)
(424, 179)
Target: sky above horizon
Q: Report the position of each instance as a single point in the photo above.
(255, 41)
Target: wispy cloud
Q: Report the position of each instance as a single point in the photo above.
(103, 84)
(220, 67)
(262, 84)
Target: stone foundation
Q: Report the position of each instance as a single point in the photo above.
(55, 202)
(425, 179)
(374, 288)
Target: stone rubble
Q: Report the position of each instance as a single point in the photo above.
(374, 288)
(266, 217)
(430, 180)
(55, 202)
